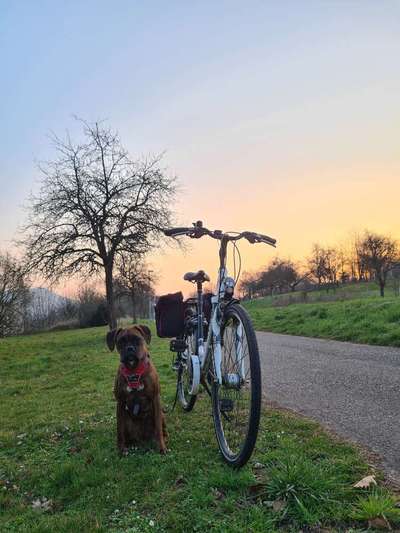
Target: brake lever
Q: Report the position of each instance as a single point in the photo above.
(196, 234)
(249, 236)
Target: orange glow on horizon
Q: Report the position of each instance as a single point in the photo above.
(328, 210)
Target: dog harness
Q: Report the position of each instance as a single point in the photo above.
(134, 382)
(134, 377)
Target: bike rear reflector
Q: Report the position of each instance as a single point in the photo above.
(177, 345)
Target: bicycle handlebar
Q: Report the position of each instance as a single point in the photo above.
(198, 231)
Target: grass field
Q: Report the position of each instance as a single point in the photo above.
(347, 291)
(353, 313)
(59, 470)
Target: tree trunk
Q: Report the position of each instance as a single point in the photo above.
(111, 315)
(133, 299)
(382, 288)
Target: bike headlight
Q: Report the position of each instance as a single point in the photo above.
(229, 287)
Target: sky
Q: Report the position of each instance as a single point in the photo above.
(277, 117)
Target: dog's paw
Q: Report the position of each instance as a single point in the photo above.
(163, 450)
(123, 452)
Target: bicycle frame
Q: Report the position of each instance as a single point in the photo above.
(214, 329)
(226, 285)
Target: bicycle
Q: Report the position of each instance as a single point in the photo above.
(227, 361)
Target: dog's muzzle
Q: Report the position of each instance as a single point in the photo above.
(129, 356)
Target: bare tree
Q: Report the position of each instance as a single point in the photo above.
(379, 254)
(332, 266)
(248, 285)
(295, 274)
(359, 259)
(95, 204)
(135, 280)
(14, 296)
(43, 310)
(280, 275)
(47, 310)
(325, 265)
(343, 263)
(317, 264)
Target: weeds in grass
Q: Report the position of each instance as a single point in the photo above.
(310, 490)
(377, 504)
(128, 520)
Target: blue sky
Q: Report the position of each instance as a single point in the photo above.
(252, 102)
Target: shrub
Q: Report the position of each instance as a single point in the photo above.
(92, 308)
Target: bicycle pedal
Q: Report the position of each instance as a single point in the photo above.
(226, 405)
(176, 366)
(177, 345)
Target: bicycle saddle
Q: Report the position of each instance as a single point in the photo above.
(198, 277)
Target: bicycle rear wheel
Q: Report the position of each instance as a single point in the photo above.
(237, 402)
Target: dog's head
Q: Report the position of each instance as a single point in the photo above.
(131, 343)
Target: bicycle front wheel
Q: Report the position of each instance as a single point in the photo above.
(237, 402)
(186, 399)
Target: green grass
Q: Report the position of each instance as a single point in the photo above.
(377, 505)
(59, 470)
(347, 291)
(371, 320)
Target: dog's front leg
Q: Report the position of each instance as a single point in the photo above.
(121, 430)
(158, 423)
(164, 427)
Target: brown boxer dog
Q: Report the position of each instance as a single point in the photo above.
(137, 390)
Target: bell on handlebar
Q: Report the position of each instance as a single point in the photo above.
(198, 224)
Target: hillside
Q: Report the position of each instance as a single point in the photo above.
(352, 313)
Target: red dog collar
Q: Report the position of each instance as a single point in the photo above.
(134, 377)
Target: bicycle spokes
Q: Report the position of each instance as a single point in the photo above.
(235, 392)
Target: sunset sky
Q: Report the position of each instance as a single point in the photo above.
(278, 117)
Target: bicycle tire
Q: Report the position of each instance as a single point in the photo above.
(239, 458)
(186, 400)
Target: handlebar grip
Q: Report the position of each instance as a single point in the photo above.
(172, 232)
(258, 237)
(268, 240)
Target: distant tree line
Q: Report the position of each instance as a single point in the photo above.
(28, 309)
(370, 257)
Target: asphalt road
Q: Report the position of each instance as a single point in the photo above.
(352, 389)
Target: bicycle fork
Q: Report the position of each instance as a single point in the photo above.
(233, 379)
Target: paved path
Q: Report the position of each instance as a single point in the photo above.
(351, 388)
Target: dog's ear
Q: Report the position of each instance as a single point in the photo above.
(145, 332)
(112, 337)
